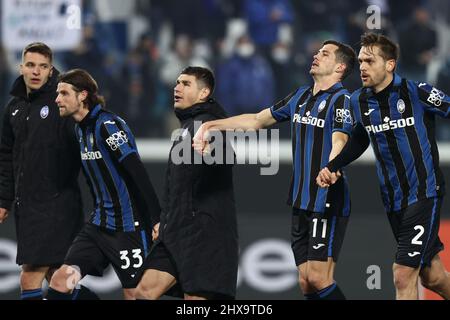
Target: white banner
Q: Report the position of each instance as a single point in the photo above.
(54, 22)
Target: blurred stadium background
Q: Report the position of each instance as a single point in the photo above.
(260, 50)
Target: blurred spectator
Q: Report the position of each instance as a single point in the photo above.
(195, 18)
(285, 33)
(154, 11)
(113, 17)
(315, 15)
(184, 18)
(182, 56)
(140, 78)
(245, 81)
(357, 19)
(87, 55)
(264, 20)
(440, 9)
(402, 11)
(284, 69)
(172, 64)
(356, 24)
(102, 65)
(418, 41)
(212, 18)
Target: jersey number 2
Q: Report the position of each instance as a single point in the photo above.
(416, 240)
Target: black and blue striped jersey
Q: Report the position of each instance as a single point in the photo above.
(400, 121)
(105, 141)
(313, 121)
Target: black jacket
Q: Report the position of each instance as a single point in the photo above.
(39, 167)
(198, 223)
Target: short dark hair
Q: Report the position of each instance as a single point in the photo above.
(38, 47)
(389, 49)
(344, 54)
(81, 80)
(203, 75)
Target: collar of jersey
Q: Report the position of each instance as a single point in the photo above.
(94, 112)
(91, 115)
(332, 89)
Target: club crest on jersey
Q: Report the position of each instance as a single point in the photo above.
(322, 105)
(401, 106)
(44, 112)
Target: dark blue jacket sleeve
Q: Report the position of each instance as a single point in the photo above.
(6, 163)
(354, 148)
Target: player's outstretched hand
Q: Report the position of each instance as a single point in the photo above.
(155, 232)
(3, 214)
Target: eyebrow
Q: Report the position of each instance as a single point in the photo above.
(184, 81)
(367, 57)
(40, 64)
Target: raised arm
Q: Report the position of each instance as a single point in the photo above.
(245, 122)
(252, 121)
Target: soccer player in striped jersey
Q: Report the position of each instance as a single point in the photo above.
(126, 207)
(398, 117)
(320, 123)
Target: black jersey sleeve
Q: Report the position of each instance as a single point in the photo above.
(354, 148)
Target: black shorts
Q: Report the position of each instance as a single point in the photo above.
(95, 248)
(317, 236)
(416, 231)
(160, 259)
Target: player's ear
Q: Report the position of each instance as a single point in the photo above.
(390, 65)
(83, 96)
(204, 93)
(340, 68)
